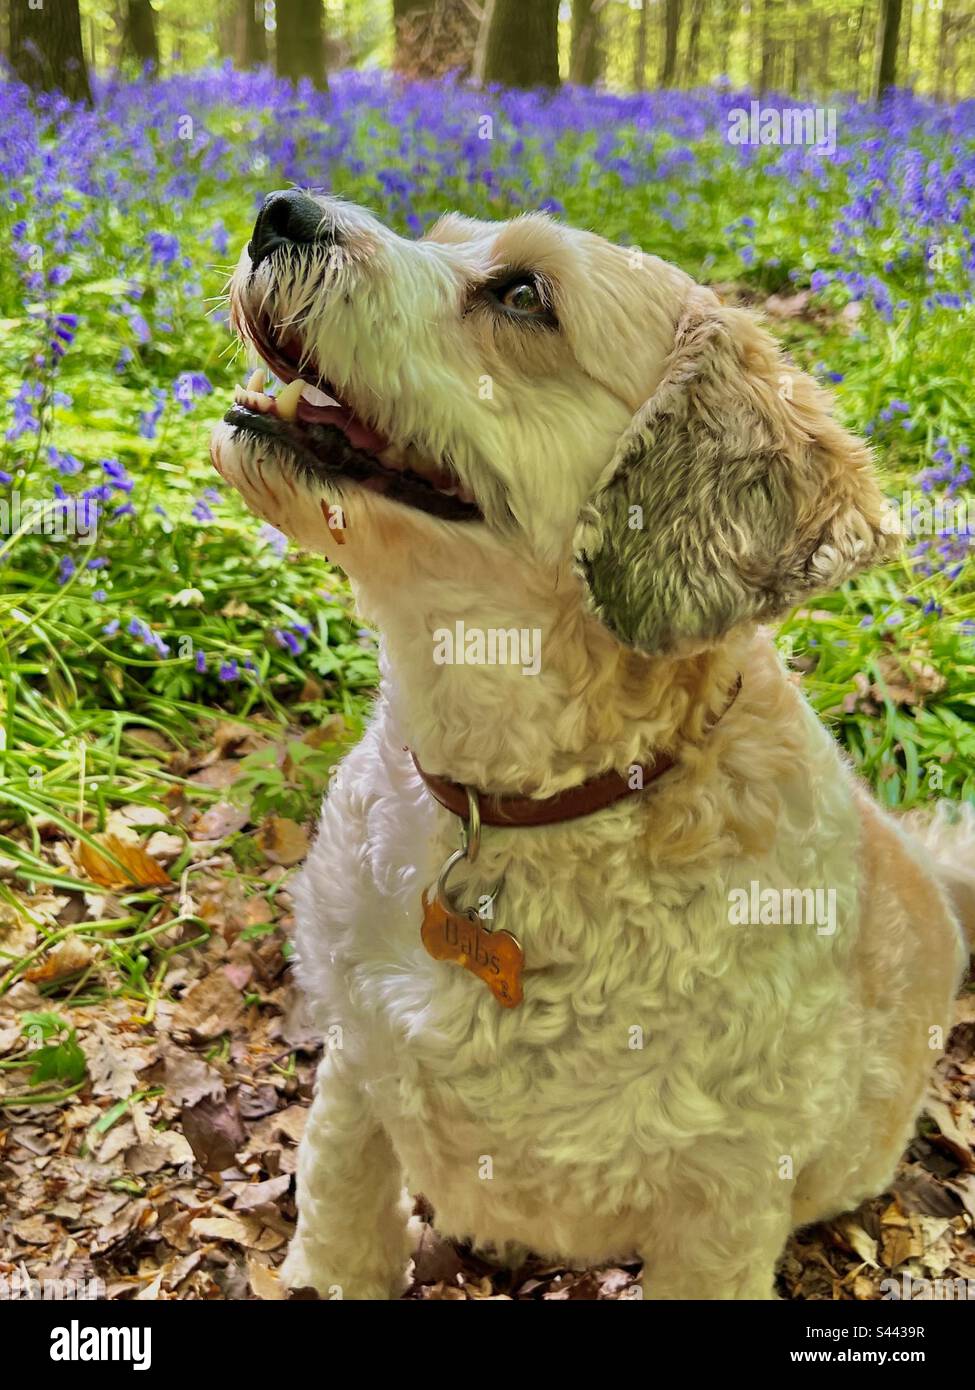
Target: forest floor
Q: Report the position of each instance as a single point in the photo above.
(169, 1171)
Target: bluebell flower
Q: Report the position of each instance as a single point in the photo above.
(189, 386)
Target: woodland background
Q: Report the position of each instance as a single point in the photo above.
(177, 683)
(766, 45)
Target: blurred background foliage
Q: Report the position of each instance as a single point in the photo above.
(799, 46)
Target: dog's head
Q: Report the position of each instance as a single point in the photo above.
(527, 395)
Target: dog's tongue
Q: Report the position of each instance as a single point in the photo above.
(351, 426)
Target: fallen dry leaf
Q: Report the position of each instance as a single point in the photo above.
(66, 958)
(188, 1078)
(214, 1132)
(264, 1281)
(283, 841)
(219, 821)
(251, 1195)
(858, 1240)
(248, 1231)
(960, 1138)
(112, 1068)
(17, 934)
(210, 1007)
(907, 681)
(167, 1148)
(164, 847)
(435, 1259)
(140, 869)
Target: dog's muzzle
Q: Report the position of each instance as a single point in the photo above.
(288, 217)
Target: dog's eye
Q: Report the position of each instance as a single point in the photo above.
(523, 297)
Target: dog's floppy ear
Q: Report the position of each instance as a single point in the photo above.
(732, 495)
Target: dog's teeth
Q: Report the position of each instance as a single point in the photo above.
(257, 379)
(254, 400)
(287, 400)
(315, 397)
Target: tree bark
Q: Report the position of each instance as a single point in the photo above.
(693, 42)
(856, 36)
(140, 32)
(300, 48)
(523, 44)
(407, 19)
(586, 48)
(825, 83)
(766, 81)
(640, 54)
(668, 63)
(727, 27)
(435, 37)
(46, 49)
(890, 25)
(941, 86)
(250, 36)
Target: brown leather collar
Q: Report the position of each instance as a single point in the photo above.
(502, 809)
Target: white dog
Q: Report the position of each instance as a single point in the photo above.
(737, 971)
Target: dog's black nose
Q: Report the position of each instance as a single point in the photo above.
(287, 217)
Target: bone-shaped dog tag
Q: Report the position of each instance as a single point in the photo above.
(495, 957)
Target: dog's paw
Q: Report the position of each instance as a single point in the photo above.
(307, 1277)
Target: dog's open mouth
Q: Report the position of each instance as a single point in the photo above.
(329, 442)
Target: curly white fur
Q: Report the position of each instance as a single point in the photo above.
(673, 1085)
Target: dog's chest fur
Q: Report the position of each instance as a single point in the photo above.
(654, 1035)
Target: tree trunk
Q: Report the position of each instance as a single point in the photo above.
(693, 43)
(586, 61)
(523, 44)
(766, 81)
(140, 32)
(45, 47)
(640, 55)
(941, 86)
(300, 41)
(890, 25)
(754, 57)
(726, 29)
(668, 63)
(250, 36)
(825, 83)
(922, 43)
(408, 18)
(857, 39)
(435, 37)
